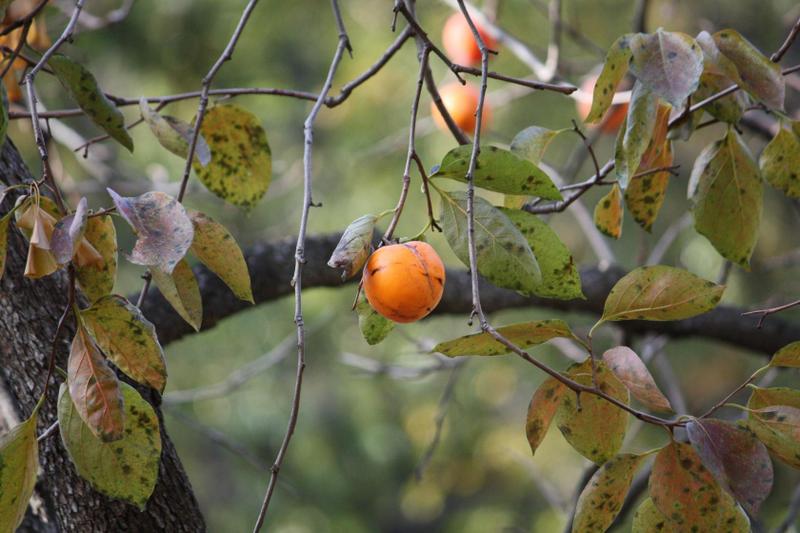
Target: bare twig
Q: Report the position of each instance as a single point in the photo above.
(778, 55)
(297, 280)
(764, 313)
(791, 513)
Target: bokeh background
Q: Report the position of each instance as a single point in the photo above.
(369, 413)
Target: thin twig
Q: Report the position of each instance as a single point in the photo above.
(297, 280)
(778, 55)
(770, 311)
(792, 512)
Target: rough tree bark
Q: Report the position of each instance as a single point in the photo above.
(29, 311)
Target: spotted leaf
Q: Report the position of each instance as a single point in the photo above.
(126, 469)
(667, 63)
(180, 289)
(84, 90)
(541, 410)
(174, 134)
(648, 519)
(19, 463)
(523, 335)
(498, 170)
(614, 69)
(128, 339)
(97, 279)
(758, 75)
(216, 248)
(163, 229)
(608, 213)
(776, 425)
(631, 371)
(660, 293)
(94, 388)
(780, 161)
(240, 170)
(532, 142)
(633, 140)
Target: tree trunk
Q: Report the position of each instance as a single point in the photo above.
(29, 312)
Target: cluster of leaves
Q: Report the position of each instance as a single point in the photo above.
(109, 430)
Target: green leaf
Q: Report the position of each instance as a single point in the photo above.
(766, 406)
(648, 519)
(4, 222)
(84, 90)
(728, 108)
(216, 248)
(780, 162)
(163, 229)
(524, 334)
(639, 126)
(660, 293)
(68, 232)
(503, 254)
(354, 247)
(126, 469)
(728, 198)
(97, 279)
(542, 409)
(374, 327)
(788, 356)
(667, 63)
(19, 463)
(683, 490)
(560, 277)
(596, 427)
(94, 388)
(532, 142)
(614, 69)
(180, 289)
(771, 396)
(758, 75)
(240, 170)
(608, 213)
(498, 170)
(633, 373)
(738, 461)
(128, 339)
(604, 494)
(174, 134)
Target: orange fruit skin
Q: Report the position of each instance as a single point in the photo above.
(404, 282)
(459, 43)
(614, 117)
(461, 101)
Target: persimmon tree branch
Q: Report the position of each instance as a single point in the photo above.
(300, 261)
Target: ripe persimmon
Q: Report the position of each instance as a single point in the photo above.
(404, 282)
(614, 117)
(459, 42)
(461, 101)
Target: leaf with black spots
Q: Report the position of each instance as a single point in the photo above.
(634, 138)
(648, 519)
(727, 192)
(216, 248)
(631, 371)
(94, 388)
(778, 427)
(523, 335)
(780, 161)
(560, 276)
(542, 409)
(354, 247)
(84, 90)
(667, 63)
(174, 134)
(182, 292)
(532, 142)
(128, 339)
(608, 213)
(683, 490)
(498, 170)
(126, 469)
(660, 293)
(736, 459)
(504, 256)
(604, 494)
(595, 427)
(97, 279)
(374, 326)
(19, 463)
(163, 229)
(614, 68)
(758, 75)
(240, 170)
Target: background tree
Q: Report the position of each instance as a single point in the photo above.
(390, 444)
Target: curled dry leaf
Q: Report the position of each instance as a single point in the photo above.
(37, 224)
(163, 229)
(354, 247)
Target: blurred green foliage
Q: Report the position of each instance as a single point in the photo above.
(359, 438)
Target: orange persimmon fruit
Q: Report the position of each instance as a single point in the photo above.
(459, 42)
(614, 117)
(461, 101)
(404, 282)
